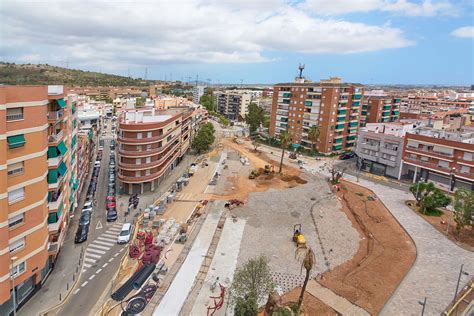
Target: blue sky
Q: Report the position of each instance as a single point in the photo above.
(366, 41)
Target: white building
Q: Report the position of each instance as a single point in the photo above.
(198, 92)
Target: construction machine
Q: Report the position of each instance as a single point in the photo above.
(269, 169)
(298, 236)
(292, 155)
(253, 174)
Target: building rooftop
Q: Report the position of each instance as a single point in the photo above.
(465, 136)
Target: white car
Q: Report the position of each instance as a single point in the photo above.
(97, 163)
(125, 233)
(88, 204)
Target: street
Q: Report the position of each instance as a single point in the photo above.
(102, 254)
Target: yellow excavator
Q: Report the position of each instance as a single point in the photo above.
(298, 236)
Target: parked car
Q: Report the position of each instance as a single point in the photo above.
(110, 198)
(81, 234)
(111, 215)
(111, 205)
(125, 234)
(346, 156)
(97, 163)
(85, 217)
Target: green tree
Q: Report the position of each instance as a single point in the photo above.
(208, 101)
(266, 121)
(223, 121)
(308, 260)
(252, 284)
(429, 197)
(255, 117)
(204, 138)
(285, 140)
(313, 135)
(463, 208)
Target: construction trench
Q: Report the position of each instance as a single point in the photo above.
(349, 243)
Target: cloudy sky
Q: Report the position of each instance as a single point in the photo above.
(367, 41)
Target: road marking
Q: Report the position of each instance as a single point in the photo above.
(114, 230)
(92, 276)
(86, 265)
(76, 291)
(103, 243)
(96, 251)
(90, 260)
(99, 225)
(92, 255)
(98, 247)
(109, 235)
(121, 249)
(105, 264)
(116, 254)
(107, 239)
(98, 271)
(118, 225)
(110, 260)
(84, 284)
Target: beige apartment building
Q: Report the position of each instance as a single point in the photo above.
(331, 105)
(152, 142)
(36, 148)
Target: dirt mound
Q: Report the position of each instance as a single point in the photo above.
(290, 178)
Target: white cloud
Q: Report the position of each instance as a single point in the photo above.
(130, 33)
(466, 31)
(426, 8)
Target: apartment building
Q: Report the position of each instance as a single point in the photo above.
(443, 157)
(380, 146)
(379, 109)
(233, 104)
(36, 147)
(330, 104)
(198, 92)
(151, 143)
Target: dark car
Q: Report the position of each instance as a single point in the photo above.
(347, 156)
(111, 215)
(81, 234)
(85, 218)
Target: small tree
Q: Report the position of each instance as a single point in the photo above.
(285, 139)
(308, 260)
(463, 208)
(251, 285)
(336, 173)
(313, 135)
(429, 197)
(204, 138)
(255, 117)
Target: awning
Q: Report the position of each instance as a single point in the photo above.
(62, 169)
(16, 141)
(75, 185)
(61, 103)
(62, 148)
(52, 176)
(53, 152)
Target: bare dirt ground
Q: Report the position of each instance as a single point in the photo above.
(386, 252)
(311, 305)
(465, 239)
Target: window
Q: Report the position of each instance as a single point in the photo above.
(16, 195)
(17, 245)
(443, 164)
(147, 172)
(16, 168)
(139, 148)
(137, 174)
(468, 156)
(149, 134)
(14, 114)
(425, 159)
(412, 156)
(148, 159)
(18, 269)
(15, 220)
(139, 135)
(465, 169)
(148, 147)
(138, 161)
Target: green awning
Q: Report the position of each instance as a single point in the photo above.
(62, 169)
(52, 176)
(16, 141)
(61, 103)
(75, 185)
(53, 152)
(62, 148)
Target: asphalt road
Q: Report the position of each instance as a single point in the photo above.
(101, 252)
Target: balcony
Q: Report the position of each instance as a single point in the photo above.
(14, 117)
(139, 179)
(55, 246)
(54, 116)
(429, 165)
(435, 154)
(54, 202)
(341, 112)
(54, 162)
(465, 162)
(353, 124)
(469, 175)
(370, 146)
(142, 166)
(387, 162)
(388, 151)
(55, 138)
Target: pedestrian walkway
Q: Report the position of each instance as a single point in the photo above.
(336, 302)
(101, 246)
(191, 197)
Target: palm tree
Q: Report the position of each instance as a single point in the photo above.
(308, 260)
(313, 135)
(285, 139)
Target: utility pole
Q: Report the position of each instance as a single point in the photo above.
(197, 80)
(146, 73)
(241, 83)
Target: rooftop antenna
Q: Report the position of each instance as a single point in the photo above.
(301, 68)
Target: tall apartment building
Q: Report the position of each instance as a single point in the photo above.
(445, 158)
(198, 92)
(233, 104)
(379, 109)
(331, 105)
(151, 143)
(36, 135)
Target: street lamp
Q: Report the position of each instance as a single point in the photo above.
(12, 276)
(422, 304)
(461, 272)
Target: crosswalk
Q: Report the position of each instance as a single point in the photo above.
(101, 246)
(182, 196)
